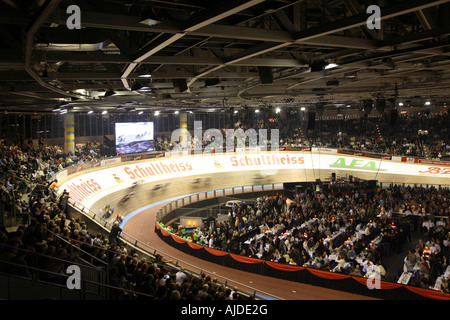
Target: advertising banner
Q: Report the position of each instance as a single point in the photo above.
(92, 186)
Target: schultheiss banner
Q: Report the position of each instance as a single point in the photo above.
(93, 185)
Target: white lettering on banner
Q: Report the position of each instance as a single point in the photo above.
(327, 150)
(266, 160)
(435, 162)
(156, 168)
(82, 188)
(111, 161)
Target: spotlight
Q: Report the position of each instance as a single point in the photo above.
(150, 18)
(331, 66)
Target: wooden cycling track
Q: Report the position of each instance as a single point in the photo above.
(140, 210)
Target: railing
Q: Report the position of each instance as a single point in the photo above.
(86, 285)
(190, 199)
(93, 280)
(187, 200)
(151, 251)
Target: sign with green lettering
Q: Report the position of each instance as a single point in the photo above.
(354, 164)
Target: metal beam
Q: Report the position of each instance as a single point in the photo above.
(354, 8)
(313, 33)
(283, 21)
(261, 49)
(46, 10)
(77, 76)
(424, 20)
(387, 12)
(112, 21)
(196, 22)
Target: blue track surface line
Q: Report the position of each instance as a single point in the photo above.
(266, 297)
(132, 214)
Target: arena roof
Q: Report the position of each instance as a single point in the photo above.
(199, 54)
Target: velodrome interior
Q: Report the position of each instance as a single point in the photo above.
(245, 61)
(140, 212)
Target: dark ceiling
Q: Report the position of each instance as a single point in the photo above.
(204, 54)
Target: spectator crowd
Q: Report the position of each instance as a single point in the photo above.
(47, 240)
(349, 233)
(422, 135)
(345, 233)
(418, 135)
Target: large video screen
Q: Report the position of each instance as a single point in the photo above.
(134, 137)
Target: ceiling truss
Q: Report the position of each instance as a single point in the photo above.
(200, 53)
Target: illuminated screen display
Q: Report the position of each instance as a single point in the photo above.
(134, 137)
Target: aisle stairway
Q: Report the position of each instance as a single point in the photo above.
(426, 152)
(394, 262)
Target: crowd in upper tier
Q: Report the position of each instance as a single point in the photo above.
(346, 233)
(420, 135)
(33, 166)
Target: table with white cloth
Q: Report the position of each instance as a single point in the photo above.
(405, 277)
(360, 260)
(428, 224)
(446, 275)
(257, 237)
(441, 223)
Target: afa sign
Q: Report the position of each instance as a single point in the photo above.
(345, 163)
